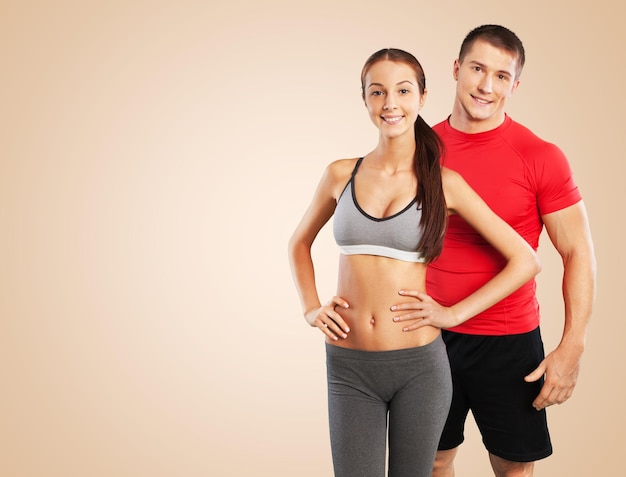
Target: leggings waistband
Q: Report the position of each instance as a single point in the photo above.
(387, 355)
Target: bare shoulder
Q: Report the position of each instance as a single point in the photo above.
(338, 173)
(450, 178)
(341, 167)
(454, 187)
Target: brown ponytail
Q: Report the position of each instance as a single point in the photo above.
(430, 196)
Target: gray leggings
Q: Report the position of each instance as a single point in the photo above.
(411, 386)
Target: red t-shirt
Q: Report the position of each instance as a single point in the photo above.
(521, 177)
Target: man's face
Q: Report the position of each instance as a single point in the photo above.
(485, 78)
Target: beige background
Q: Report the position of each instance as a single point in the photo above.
(155, 157)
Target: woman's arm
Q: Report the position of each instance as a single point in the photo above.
(316, 216)
(522, 262)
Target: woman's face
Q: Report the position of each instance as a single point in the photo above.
(392, 97)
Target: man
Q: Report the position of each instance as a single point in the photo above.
(497, 358)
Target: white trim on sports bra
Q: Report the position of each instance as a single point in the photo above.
(382, 251)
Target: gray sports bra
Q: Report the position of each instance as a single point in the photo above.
(358, 233)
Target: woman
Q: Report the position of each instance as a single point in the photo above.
(390, 210)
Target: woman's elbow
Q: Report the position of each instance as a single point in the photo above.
(527, 264)
(534, 264)
(296, 246)
(292, 246)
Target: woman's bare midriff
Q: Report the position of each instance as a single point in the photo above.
(370, 284)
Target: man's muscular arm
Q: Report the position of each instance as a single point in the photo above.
(569, 232)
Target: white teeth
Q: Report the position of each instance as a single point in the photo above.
(392, 120)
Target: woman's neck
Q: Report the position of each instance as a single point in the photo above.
(394, 154)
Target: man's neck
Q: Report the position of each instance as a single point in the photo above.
(467, 125)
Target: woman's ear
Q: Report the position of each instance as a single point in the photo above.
(423, 98)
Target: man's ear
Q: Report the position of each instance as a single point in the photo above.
(514, 88)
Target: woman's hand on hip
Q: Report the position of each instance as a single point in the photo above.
(328, 320)
(422, 312)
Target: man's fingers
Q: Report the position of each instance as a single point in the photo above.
(536, 374)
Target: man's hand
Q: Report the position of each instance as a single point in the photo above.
(561, 369)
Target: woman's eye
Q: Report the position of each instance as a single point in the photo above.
(404, 91)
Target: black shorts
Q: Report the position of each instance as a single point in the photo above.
(488, 378)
